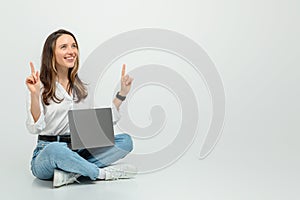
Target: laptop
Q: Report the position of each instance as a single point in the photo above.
(91, 128)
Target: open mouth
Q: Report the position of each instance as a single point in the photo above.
(70, 58)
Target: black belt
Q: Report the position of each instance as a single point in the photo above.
(53, 138)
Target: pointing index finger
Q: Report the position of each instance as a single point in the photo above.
(32, 68)
(123, 70)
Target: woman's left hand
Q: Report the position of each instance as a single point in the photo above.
(126, 82)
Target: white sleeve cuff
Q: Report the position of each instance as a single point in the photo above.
(39, 125)
(35, 127)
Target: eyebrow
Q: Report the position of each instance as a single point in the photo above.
(67, 44)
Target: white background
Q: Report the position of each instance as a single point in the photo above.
(254, 45)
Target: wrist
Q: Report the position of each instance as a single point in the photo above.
(35, 94)
(120, 96)
(122, 93)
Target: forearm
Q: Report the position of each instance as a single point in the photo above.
(35, 106)
(117, 103)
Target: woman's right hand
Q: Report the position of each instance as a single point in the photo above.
(33, 81)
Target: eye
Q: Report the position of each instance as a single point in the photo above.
(63, 46)
(74, 46)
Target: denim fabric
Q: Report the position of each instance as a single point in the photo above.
(48, 156)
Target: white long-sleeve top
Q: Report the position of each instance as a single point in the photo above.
(53, 119)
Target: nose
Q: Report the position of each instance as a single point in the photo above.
(71, 50)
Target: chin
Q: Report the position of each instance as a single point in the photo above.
(70, 65)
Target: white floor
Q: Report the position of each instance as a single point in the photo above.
(230, 174)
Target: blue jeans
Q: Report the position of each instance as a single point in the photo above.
(48, 156)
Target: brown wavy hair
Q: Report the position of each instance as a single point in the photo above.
(49, 72)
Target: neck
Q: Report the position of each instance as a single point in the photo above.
(64, 81)
(62, 75)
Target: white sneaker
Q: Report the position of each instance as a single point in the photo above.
(119, 171)
(63, 178)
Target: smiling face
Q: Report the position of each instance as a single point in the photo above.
(65, 51)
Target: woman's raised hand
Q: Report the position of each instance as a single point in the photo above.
(33, 81)
(126, 82)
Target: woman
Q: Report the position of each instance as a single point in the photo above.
(52, 93)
